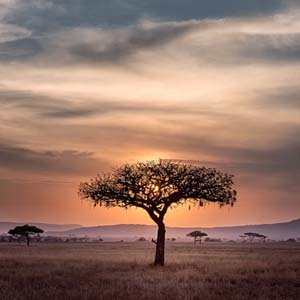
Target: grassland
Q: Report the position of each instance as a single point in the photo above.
(124, 271)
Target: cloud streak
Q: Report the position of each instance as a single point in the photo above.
(9, 33)
(117, 45)
(50, 162)
(45, 106)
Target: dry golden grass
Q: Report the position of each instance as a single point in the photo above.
(124, 271)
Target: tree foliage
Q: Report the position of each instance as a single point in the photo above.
(156, 186)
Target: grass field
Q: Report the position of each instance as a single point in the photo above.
(124, 271)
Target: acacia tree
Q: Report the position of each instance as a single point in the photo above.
(197, 235)
(156, 187)
(253, 235)
(24, 232)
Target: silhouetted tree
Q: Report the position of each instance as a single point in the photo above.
(252, 235)
(291, 240)
(24, 232)
(157, 186)
(197, 235)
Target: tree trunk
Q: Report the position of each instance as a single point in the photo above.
(160, 245)
(27, 241)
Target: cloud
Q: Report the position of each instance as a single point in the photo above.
(284, 98)
(22, 99)
(51, 107)
(69, 113)
(116, 45)
(49, 162)
(277, 167)
(239, 34)
(48, 16)
(223, 91)
(270, 39)
(10, 9)
(247, 48)
(18, 50)
(190, 9)
(9, 33)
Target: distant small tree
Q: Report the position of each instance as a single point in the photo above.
(291, 240)
(156, 187)
(252, 235)
(25, 232)
(197, 235)
(141, 239)
(168, 239)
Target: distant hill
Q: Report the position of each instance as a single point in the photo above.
(278, 231)
(5, 226)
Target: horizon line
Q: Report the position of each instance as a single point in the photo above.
(136, 224)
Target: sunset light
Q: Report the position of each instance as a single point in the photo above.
(136, 133)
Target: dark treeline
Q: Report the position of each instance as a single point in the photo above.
(51, 239)
(4, 238)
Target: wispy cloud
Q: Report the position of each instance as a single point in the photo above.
(65, 162)
(113, 46)
(10, 33)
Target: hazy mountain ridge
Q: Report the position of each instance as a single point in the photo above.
(5, 226)
(277, 231)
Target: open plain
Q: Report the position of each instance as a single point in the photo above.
(227, 271)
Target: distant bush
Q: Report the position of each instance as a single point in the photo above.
(210, 240)
(291, 241)
(171, 239)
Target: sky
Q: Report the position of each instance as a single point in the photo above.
(86, 86)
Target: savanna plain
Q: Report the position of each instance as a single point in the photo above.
(209, 271)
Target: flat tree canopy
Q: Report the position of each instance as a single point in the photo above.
(25, 231)
(253, 235)
(156, 186)
(197, 234)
